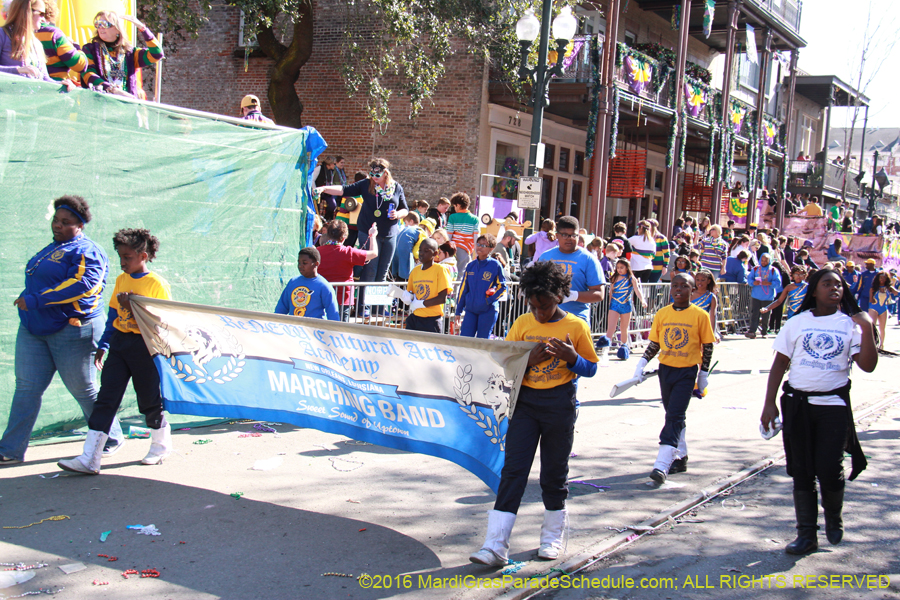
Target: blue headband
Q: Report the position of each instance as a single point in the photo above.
(72, 210)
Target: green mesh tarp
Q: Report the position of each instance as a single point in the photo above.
(228, 200)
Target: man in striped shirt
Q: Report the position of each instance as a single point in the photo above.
(713, 251)
(60, 52)
(463, 229)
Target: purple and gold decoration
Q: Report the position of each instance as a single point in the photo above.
(638, 73)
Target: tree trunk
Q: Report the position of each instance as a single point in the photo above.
(286, 105)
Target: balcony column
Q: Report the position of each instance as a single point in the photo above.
(790, 132)
(764, 59)
(667, 208)
(600, 161)
(734, 11)
(862, 144)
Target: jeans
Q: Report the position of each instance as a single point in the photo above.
(377, 268)
(546, 417)
(655, 275)
(462, 259)
(755, 307)
(70, 351)
(676, 385)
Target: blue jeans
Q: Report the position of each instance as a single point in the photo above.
(71, 352)
(377, 268)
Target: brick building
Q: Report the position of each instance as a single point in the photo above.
(475, 131)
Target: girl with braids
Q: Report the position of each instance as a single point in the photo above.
(683, 337)
(819, 344)
(545, 412)
(127, 356)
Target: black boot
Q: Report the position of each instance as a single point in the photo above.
(807, 508)
(833, 503)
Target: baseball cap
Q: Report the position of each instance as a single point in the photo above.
(870, 261)
(851, 264)
(249, 100)
(511, 233)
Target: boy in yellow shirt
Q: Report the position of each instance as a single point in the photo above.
(128, 357)
(427, 290)
(683, 338)
(545, 412)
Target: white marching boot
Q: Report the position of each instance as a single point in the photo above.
(664, 459)
(89, 461)
(495, 551)
(552, 534)
(160, 445)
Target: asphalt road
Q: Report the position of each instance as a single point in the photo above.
(332, 505)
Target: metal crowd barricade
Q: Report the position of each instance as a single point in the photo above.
(733, 314)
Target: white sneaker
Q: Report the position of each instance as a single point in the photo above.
(160, 445)
(487, 557)
(89, 461)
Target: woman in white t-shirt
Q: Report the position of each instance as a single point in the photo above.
(828, 334)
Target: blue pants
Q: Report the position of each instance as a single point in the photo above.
(70, 351)
(546, 417)
(676, 385)
(479, 325)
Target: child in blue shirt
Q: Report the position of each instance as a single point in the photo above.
(309, 295)
(405, 255)
(482, 286)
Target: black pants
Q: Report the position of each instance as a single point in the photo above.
(777, 316)
(827, 432)
(644, 276)
(126, 359)
(755, 307)
(546, 417)
(427, 324)
(676, 385)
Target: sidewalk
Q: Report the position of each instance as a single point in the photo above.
(337, 506)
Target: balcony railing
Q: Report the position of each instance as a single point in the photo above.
(787, 10)
(815, 174)
(577, 64)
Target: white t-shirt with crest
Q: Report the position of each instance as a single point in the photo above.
(821, 350)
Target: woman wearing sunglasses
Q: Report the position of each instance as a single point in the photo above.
(383, 204)
(20, 50)
(113, 63)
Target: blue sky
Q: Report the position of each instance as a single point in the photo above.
(833, 30)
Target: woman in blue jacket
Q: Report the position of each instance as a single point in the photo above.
(61, 321)
(736, 267)
(765, 285)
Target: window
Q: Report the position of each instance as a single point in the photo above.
(749, 73)
(563, 159)
(575, 206)
(649, 179)
(630, 38)
(546, 187)
(808, 130)
(549, 156)
(579, 163)
(658, 181)
(562, 186)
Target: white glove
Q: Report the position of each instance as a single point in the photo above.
(416, 305)
(639, 370)
(407, 297)
(572, 297)
(703, 380)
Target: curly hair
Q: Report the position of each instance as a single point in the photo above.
(545, 278)
(139, 240)
(76, 204)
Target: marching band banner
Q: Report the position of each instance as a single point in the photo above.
(440, 395)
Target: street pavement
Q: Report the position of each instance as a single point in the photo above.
(329, 507)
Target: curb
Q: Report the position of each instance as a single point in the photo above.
(604, 548)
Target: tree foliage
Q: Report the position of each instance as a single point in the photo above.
(391, 47)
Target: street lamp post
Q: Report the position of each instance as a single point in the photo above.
(527, 30)
(871, 211)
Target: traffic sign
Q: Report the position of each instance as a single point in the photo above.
(530, 192)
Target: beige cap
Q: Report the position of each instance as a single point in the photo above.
(249, 100)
